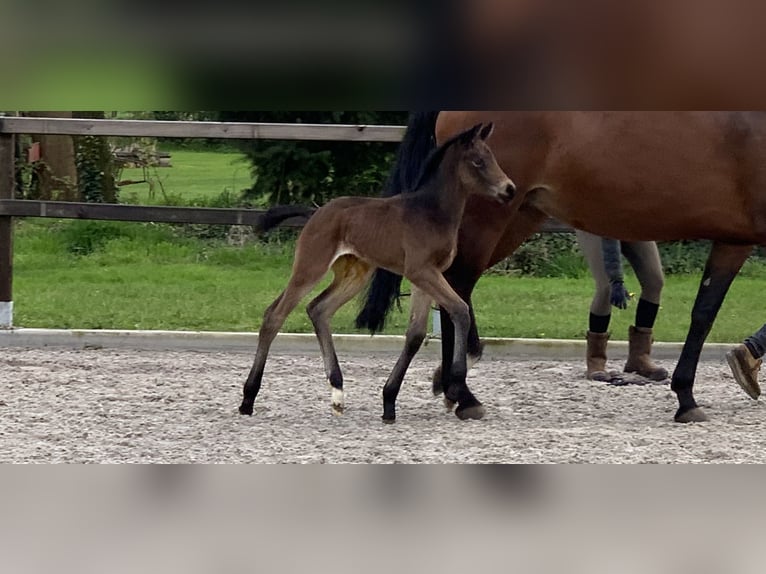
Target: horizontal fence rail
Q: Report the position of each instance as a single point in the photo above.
(163, 214)
(145, 213)
(216, 130)
(10, 207)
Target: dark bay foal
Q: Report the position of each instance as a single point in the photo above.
(414, 235)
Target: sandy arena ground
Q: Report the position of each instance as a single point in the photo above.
(128, 406)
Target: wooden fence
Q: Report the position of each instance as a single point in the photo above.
(11, 207)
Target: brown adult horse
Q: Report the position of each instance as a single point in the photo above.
(634, 176)
(601, 54)
(413, 234)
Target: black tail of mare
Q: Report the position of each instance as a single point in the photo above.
(418, 142)
(280, 213)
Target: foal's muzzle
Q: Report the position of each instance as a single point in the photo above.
(507, 195)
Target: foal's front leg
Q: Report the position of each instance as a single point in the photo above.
(456, 390)
(416, 333)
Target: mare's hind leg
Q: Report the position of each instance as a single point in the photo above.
(722, 266)
(416, 333)
(304, 277)
(351, 275)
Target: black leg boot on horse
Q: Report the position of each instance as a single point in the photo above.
(722, 267)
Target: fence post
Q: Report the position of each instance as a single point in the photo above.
(7, 184)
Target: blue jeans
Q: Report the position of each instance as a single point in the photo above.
(757, 343)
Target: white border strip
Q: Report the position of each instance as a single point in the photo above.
(6, 314)
(306, 343)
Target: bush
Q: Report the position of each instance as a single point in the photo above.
(558, 255)
(84, 238)
(681, 257)
(545, 255)
(306, 172)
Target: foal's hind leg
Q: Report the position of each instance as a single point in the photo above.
(351, 275)
(301, 283)
(416, 333)
(722, 267)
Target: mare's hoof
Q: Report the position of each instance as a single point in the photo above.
(436, 382)
(449, 405)
(388, 420)
(246, 409)
(475, 413)
(695, 415)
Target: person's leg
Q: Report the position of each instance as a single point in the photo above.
(600, 308)
(644, 257)
(745, 361)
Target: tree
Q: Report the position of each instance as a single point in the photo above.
(55, 175)
(315, 172)
(95, 165)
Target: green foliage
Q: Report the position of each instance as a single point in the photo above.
(95, 172)
(83, 238)
(314, 172)
(545, 255)
(301, 172)
(684, 256)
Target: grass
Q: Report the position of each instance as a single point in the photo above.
(75, 274)
(195, 175)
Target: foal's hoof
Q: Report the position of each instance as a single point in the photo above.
(388, 420)
(449, 405)
(475, 413)
(246, 409)
(695, 415)
(337, 410)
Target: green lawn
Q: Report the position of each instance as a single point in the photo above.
(76, 274)
(193, 175)
(136, 276)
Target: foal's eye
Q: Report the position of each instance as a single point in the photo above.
(478, 163)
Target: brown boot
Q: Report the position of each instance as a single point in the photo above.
(595, 358)
(745, 369)
(639, 348)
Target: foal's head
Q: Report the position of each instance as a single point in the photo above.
(478, 170)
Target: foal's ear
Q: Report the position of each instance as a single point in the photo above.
(486, 131)
(467, 137)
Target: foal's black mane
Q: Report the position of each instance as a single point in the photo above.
(417, 163)
(434, 160)
(418, 159)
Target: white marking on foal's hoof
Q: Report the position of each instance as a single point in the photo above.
(338, 401)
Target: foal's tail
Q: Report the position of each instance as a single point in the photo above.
(418, 143)
(280, 213)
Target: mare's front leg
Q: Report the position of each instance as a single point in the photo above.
(722, 267)
(416, 333)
